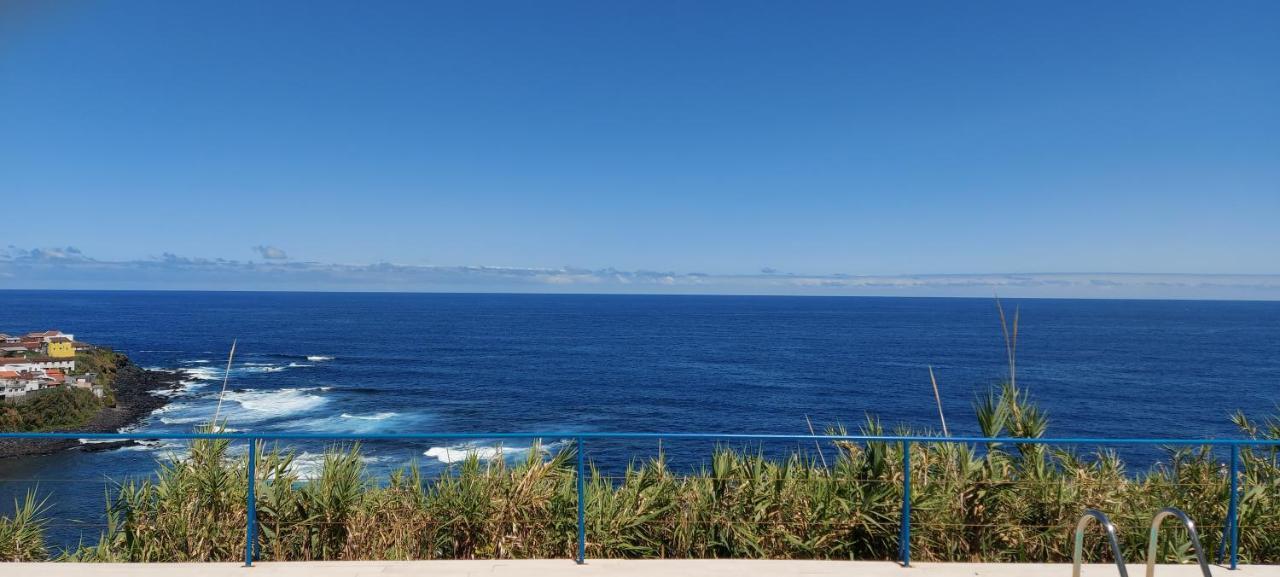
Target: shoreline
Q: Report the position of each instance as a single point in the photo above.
(135, 399)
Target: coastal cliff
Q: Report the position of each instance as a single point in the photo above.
(132, 397)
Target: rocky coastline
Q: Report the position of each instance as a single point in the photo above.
(135, 393)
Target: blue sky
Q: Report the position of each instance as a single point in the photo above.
(819, 140)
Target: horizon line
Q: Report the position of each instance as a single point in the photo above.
(641, 294)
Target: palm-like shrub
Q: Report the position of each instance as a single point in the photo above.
(990, 502)
(22, 535)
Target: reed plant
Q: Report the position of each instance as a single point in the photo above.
(991, 502)
(22, 534)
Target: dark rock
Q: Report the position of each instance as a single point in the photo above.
(135, 389)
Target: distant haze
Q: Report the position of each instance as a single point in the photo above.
(70, 268)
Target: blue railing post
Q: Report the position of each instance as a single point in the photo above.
(1233, 507)
(904, 534)
(251, 525)
(582, 504)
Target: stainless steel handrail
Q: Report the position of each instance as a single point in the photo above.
(1155, 535)
(1109, 528)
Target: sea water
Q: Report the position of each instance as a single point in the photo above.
(390, 363)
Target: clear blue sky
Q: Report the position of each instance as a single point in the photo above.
(882, 138)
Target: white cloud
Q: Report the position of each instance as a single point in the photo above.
(54, 254)
(69, 268)
(270, 252)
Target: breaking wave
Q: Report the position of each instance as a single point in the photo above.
(202, 373)
(278, 402)
(183, 420)
(460, 453)
(373, 417)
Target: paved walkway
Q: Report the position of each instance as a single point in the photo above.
(604, 568)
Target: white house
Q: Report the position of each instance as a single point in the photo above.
(14, 384)
(37, 364)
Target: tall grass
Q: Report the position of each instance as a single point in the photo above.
(1011, 502)
(22, 535)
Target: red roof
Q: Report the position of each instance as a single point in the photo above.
(34, 360)
(60, 340)
(8, 374)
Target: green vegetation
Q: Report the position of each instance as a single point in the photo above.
(65, 408)
(1014, 502)
(969, 503)
(104, 363)
(57, 409)
(22, 535)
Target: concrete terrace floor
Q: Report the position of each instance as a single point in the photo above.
(605, 568)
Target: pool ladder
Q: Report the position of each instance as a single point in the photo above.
(1156, 521)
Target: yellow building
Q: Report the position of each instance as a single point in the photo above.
(60, 349)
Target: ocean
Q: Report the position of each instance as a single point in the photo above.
(387, 363)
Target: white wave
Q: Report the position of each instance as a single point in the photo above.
(278, 402)
(307, 465)
(373, 417)
(150, 445)
(318, 358)
(183, 420)
(194, 361)
(97, 441)
(130, 428)
(379, 422)
(298, 365)
(168, 408)
(184, 387)
(264, 369)
(203, 373)
(180, 414)
(484, 453)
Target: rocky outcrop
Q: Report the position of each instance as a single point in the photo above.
(135, 389)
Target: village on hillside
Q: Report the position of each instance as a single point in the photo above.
(42, 360)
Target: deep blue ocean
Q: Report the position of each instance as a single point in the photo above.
(325, 362)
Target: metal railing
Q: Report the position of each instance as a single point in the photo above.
(1230, 530)
(1107, 527)
(1159, 518)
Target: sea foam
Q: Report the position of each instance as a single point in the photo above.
(373, 417)
(202, 373)
(460, 453)
(278, 402)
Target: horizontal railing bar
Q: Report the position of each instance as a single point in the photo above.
(267, 436)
